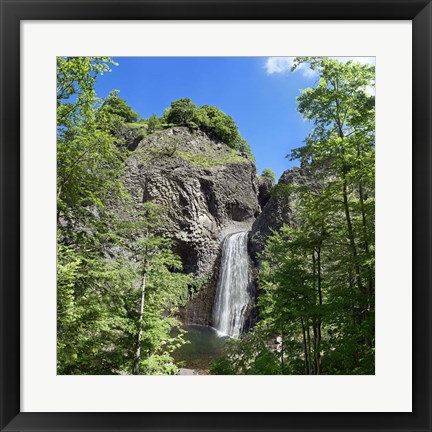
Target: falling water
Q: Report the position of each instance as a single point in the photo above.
(232, 295)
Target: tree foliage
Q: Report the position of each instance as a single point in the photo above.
(269, 174)
(118, 283)
(153, 123)
(117, 106)
(182, 112)
(210, 119)
(219, 126)
(88, 162)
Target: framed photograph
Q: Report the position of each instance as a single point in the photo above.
(215, 215)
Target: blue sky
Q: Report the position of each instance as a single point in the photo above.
(259, 93)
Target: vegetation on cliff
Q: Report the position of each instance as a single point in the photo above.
(209, 119)
(267, 173)
(217, 125)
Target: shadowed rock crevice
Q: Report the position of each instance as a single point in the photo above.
(207, 189)
(264, 186)
(187, 255)
(199, 308)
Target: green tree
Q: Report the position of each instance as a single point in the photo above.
(87, 329)
(88, 169)
(117, 315)
(209, 119)
(292, 300)
(115, 105)
(118, 283)
(269, 174)
(155, 289)
(153, 123)
(88, 163)
(218, 125)
(182, 112)
(343, 143)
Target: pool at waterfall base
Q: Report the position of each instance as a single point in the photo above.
(204, 344)
(231, 310)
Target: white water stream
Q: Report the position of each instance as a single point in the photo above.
(232, 294)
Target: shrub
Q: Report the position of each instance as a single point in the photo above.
(117, 106)
(221, 366)
(268, 173)
(209, 119)
(182, 112)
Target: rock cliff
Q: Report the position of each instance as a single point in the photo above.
(278, 210)
(207, 191)
(264, 186)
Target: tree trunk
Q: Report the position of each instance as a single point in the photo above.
(137, 358)
(282, 354)
(370, 283)
(318, 337)
(345, 199)
(351, 233)
(316, 320)
(305, 348)
(311, 369)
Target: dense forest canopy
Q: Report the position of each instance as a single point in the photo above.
(121, 284)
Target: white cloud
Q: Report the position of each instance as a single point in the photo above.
(279, 64)
(283, 65)
(307, 71)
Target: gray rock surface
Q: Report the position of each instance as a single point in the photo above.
(129, 137)
(186, 371)
(207, 191)
(277, 211)
(205, 188)
(264, 186)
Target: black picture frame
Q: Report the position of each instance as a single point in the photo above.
(13, 11)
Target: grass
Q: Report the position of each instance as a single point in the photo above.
(198, 160)
(203, 161)
(136, 125)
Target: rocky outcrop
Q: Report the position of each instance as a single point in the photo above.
(264, 186)
(129, 136)
(199, 309)
(206, 189)
(277, 211)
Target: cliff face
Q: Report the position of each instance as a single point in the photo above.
(206, 190)
(278, 210)
(264, 186)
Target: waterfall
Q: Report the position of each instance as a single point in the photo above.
(232, 293)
